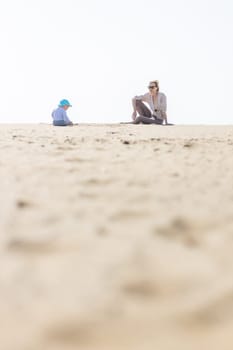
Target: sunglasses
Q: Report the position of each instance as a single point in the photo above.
(151, 87)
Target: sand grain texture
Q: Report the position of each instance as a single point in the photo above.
(116, 237)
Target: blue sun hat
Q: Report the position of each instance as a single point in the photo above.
(64, 103)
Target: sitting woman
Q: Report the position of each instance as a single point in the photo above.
(59, 115)
(157, 102)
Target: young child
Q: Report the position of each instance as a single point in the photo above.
(59, 115)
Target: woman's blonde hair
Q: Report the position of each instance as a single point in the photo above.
(156, 82)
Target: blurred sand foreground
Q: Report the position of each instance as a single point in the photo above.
(116, 237)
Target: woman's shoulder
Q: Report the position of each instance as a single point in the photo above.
(147, 95)
(162, 94)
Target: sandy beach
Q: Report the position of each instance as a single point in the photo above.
(116, 237)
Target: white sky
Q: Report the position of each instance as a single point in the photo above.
(100, 53)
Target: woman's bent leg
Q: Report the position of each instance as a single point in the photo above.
(144, 120)
(158, 121)
(142, 109)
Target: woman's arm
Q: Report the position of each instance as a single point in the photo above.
(165, 117)
(164, 108)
